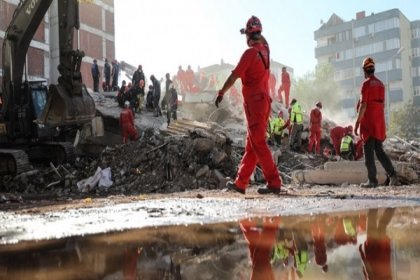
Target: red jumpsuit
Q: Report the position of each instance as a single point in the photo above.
(336, 134)
(373, 122)
(285, 86)
(128, 130)
(359, 149)
(260, 243)
(315, 129)
(254, 73)
(189, 80)
(272, 85)
(180, 76)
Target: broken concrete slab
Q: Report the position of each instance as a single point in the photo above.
(352, 172)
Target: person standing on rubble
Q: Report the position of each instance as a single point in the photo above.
(138, 75)
(95, 75)
(296, 120)
(156, 96)
(107, 75)
(172, 103)
(285, 86)
(315, 125)
(371, 120)
(128, 130)
(254, 71)
(165, 101)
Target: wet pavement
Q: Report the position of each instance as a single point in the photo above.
(212, 207)
(381, 241)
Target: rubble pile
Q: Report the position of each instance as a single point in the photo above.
(153, 164)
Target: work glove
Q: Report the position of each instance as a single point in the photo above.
(219, 99)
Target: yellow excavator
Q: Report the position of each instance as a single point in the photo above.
(34, 117)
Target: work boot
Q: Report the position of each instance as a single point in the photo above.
(393, 181)
(369, 184)
(267, 190)
(233, 187)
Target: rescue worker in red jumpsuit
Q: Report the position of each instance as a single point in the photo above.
(261, 242)
(254, 71)
(318, 238)
(128, 130)
(315, 123)
(371, 119)
(285, 86)
(272, 83)
(336, 134)
(376, 250)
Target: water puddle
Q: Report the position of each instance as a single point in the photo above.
(381, 243)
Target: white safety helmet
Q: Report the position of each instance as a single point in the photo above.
(127, 103)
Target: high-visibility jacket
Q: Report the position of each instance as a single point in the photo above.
(301, 259)
(276, 126)
(296, 114)
(346, 141)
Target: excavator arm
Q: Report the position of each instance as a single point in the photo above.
(68, 101)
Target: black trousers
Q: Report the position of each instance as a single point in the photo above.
(372, 147)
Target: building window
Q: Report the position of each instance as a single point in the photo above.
(387, 24)
(395, 85)
(415, 72)
(415, 33)
(417, 91)
(359, 31)
(392, 44)
(416, 52)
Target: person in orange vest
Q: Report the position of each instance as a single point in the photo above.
(336, 134)
(285, 86)
(376, 250)
(180, 76)
(261, 242)
(254, 71)
(189, 79)
(272, 84)
(128, 130)
(371, 119)
(315, 124)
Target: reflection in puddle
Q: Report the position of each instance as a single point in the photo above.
(373, 244)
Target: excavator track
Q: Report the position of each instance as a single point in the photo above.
(13, 162)
(55, 152)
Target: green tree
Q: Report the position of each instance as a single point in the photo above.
(318, 85)
(406, 122)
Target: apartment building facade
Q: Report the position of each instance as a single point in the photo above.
(388, 37)
(95, 37)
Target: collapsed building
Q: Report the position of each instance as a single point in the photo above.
(189, 155)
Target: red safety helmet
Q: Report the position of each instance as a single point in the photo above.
(253, 25)
(368, 63)
(349, 129)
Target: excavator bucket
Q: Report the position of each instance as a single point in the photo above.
(64, 108)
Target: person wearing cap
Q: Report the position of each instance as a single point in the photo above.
(371, 121)
(315, 124)
(128, 130)
(285, 86)
(296, 120)
(95, 75)
(254, 71)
